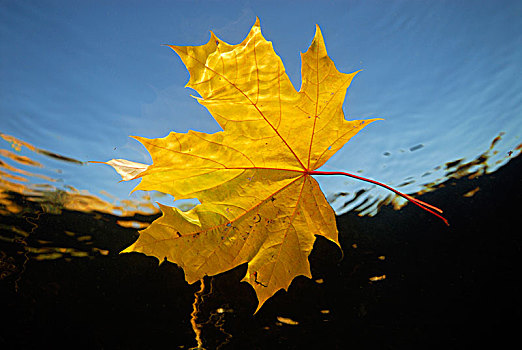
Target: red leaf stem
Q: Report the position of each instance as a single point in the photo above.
(428, 207)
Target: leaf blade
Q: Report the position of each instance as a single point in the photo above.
(259, 203)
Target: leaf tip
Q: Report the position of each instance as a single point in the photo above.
(129, 249)
(213, 38)
(318, 44)
(172, 47)
(318, 34)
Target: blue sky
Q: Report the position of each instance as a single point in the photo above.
(78, 77)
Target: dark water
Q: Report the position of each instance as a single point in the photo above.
(406, 280)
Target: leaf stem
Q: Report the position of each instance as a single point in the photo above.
(428, 207)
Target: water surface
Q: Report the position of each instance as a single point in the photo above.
(76, 78)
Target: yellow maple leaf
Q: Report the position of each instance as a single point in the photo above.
(259, 203)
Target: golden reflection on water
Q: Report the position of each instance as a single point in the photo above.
(377, 278)
(453, 170)
(22, 198)
(53, 199)
(287, 321)
(17, 145)
(23, 202)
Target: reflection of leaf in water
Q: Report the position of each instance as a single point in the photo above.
(43, 217)
(52, 199)
(52, 202)
(472, 192)
(287, 321)
(7, 265)
(19, 159)
(17, 145)
(361, 201)
(12, 169)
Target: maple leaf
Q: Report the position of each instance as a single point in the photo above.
(259, 202)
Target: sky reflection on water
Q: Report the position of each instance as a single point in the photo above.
(76, 78)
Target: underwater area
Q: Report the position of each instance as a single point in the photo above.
(77, 79)
(405, 279)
